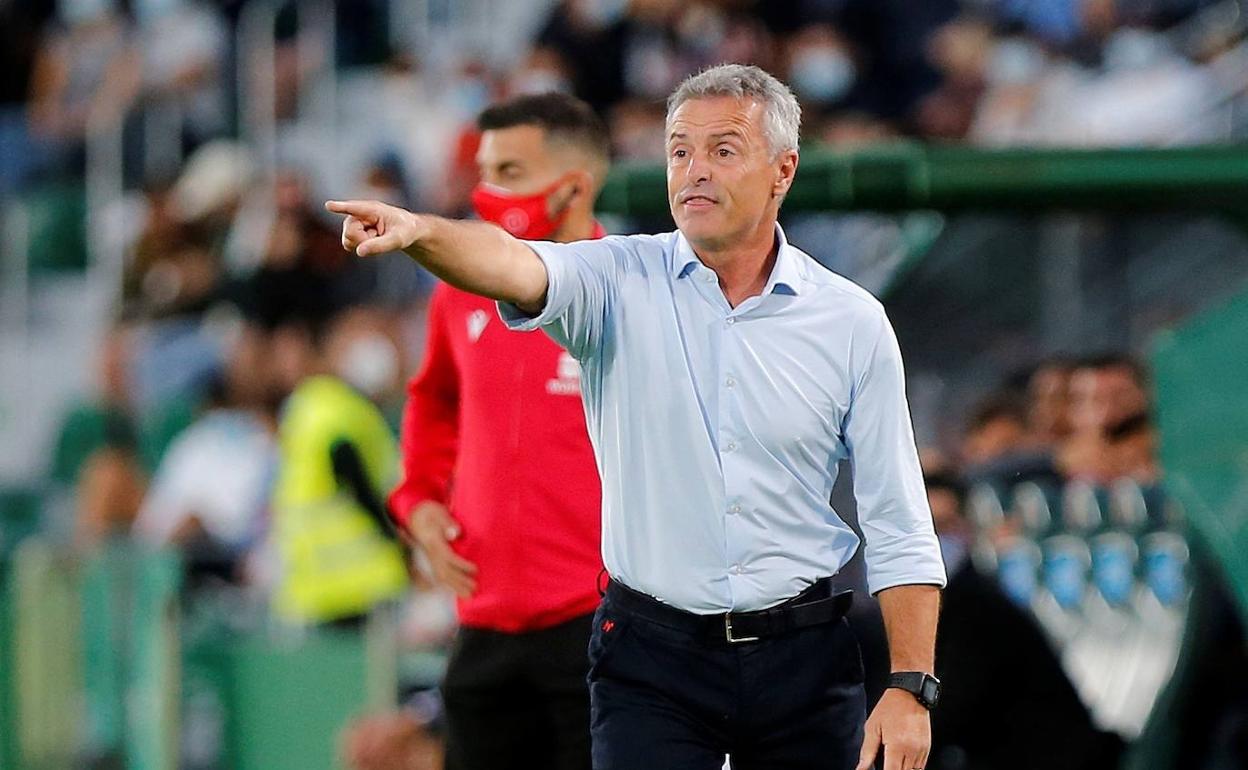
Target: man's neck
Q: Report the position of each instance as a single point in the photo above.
(577, 227)
(745, 266)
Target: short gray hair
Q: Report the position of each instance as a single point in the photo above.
(782, 116)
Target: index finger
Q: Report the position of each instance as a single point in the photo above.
(354, 208)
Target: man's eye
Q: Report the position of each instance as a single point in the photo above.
(724, 152)
(679, 153)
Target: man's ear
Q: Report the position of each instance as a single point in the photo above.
(583, 186)
(786, 170)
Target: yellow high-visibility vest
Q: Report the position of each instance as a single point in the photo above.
(336, 561)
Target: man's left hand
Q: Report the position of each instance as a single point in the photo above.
(903, 727)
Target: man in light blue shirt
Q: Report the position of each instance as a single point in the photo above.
(725, 374)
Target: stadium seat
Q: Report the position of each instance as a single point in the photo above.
(56, 229)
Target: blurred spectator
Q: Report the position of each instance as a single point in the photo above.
(542, 71)
(111, 488)
(998, 448)
(1105, 391)
(960, 51)
(183, 45)
(339, 555)
(21, 33)
(97, 452)
(105, 420)
(1048, 402)
(997, 429)
(304, 275)
(176, 271)
(821, 66)
(86, 67)
(208, 494)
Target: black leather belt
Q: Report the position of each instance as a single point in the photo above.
(817, 605)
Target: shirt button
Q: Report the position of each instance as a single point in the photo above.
(730, 382)
(730, 321)
(731, 446)
(734, 509)
(736, 569)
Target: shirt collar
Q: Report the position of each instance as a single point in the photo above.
(786, 275)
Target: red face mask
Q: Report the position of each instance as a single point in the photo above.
(525, 216)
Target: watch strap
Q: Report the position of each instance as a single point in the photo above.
(923, 686)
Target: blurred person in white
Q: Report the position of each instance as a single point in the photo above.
(821, 65)
(183, 44)
(87, 66)
(1138, 88)
(208, 493)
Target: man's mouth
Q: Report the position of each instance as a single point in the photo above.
(698, 200)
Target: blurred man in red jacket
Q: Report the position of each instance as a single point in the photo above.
(500, 488)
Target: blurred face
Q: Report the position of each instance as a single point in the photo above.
(360, 350)
(1101, 397)
(248, 367)
(723, 184)
(291, 357)
(946, 511)
(1048, 410)
(994, 439)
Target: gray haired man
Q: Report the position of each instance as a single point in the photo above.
(724, 376)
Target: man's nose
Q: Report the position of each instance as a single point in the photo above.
(698, 171)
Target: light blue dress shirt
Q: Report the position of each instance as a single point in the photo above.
(718, 430)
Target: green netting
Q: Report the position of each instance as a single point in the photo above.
(1201, 375)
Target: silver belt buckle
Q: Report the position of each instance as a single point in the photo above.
(728, 632)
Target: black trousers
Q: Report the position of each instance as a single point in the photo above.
(518, 700)
(665, 698)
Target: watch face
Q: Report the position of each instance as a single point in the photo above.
(930, 691)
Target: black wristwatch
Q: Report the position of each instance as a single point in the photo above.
(924, 687)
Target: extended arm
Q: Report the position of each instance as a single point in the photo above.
(476, 257)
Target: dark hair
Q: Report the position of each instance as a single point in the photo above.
(1000, 406)
(948, 482)
(564, 118)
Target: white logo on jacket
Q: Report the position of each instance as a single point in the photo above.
(567, 380)
(477, 321)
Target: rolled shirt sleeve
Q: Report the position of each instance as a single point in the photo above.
(580, 284)
(901, 546)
